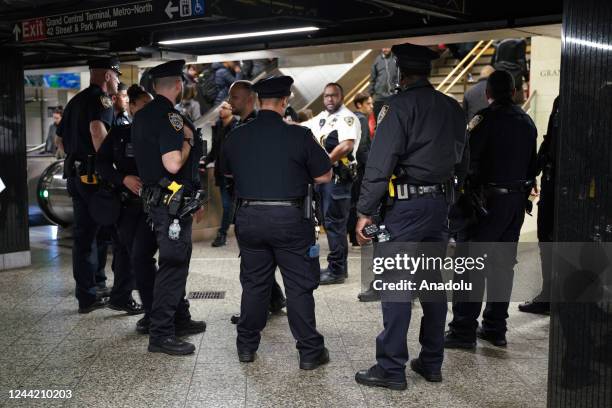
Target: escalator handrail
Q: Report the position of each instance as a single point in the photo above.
(468, 67)
(459, 65)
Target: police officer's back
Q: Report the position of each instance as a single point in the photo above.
(502, 172)
(86, 121)
(419, 139)
(272, 164)
(168, 150)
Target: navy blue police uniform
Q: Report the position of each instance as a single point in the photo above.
(420, 139)
(134, 244)
(272, 164)
(91, 104)
(502, 167)
(157, 129)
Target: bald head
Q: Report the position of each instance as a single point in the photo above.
(107, 79)
(242, 98)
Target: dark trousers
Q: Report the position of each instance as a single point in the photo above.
(336, 205)
(84, 248)
(502, 224)
(416, 220)
(171, 278)
(228, 206)
(135, 251)
(546, 220)
(104, 239)
(271, 237)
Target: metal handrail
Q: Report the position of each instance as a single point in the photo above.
(463, 61)
(527, 104)
(469, 66)
(35, 148)
(360, 87)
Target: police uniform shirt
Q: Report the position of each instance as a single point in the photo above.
(115, 159)
(89, 105)
(422, 131)
(270, 159)
(343, 121)
(158, 128)
(121, 119)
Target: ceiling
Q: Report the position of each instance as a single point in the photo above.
(365, 22)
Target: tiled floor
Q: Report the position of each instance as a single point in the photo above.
(101, 359)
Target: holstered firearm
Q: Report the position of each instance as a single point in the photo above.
(308, 204)
(193, 204)
(174, 200)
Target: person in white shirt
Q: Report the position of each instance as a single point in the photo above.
(337, 129)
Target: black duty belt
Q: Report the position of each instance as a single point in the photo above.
(271, 203)
(499, 188)
(409, 191)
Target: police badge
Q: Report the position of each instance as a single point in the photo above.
(349, 120)
(474, 122)
(382, 113)
(321, 122)
(176, 120)
(106, 101)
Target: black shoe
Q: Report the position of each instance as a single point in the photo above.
(142, 325)
(189, 327)
(131, 307)
(98, 304)
(328, 278)
(235, 318)
(369, 295)
(220, 240)
(417, 366)
(171, 346)
(102, 293)
(542, 308)
(498, 340)
(372, 378)
(246, 356)
(452, 341)
(321, 360)
(277, 305)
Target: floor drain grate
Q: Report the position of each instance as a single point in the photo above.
(208, 294)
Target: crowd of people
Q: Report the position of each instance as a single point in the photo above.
(133, 167)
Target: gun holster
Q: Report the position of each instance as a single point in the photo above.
(308, 204)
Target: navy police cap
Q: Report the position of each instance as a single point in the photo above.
(414, 57)
(105, 63)
(273, 87)
(172, 68)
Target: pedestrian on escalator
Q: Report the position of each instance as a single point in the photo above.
(226, 73)
(383, 79)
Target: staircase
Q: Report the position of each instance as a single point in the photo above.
(445, 65)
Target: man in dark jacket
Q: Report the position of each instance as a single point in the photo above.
(383, 78)
(226, 73)
(511, 55)
(475, 98)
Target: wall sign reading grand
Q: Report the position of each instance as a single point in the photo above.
(113, 17)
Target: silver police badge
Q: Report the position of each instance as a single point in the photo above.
(106, 101)
(349, 120)
(382, 113)
(176, 120)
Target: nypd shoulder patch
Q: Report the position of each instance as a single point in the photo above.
(382, 113)
(349, 120)
(474, 122)
(176, 120)
(106, 102)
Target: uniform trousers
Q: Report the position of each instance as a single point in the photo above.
(336, 206)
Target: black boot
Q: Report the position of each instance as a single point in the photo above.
(131, 307)
(375, 378)
(189, 327)
(220, 240)
(370, 295)
(535, 307)
(171, 346)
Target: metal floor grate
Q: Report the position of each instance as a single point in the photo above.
(207, 294)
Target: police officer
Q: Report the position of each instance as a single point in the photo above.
(503, 168)
(134, 244)
(120, 106)
(420, 136)
(338, 130)
(546, 211)
(168, 149)
(86, 121)
(272, 163)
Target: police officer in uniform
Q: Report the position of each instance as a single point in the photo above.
(339, 132)
(168, 149)
(502, 167)
(272, 163)
(420, 137)
(86, 121)
(120, 106)
(546, 211)
(134, 244)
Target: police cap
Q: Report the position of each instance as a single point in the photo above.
(273, 87)
(105, 63)
(414, 58)
(172, 68)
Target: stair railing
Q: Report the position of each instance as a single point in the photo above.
(528, 105)
(465, 70)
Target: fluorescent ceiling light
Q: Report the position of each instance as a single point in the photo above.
(241, 35)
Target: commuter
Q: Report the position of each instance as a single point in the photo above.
(383, 79)
(226, 73)
(51, 141)
(511, 55)
(189, 106)
(475, 98)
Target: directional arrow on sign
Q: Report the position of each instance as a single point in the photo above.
(171, 10)
(17, 32)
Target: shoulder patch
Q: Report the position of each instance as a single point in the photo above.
(106, 101)
(176, 120)
(349, 120)
(382, 113)
(474, 122)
